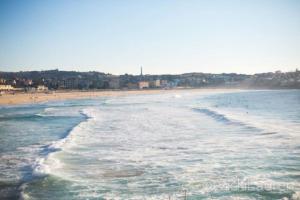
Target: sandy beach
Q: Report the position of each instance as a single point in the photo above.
(29, 98)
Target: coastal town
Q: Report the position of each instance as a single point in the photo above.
(50, 80)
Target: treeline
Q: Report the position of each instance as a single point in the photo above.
(55, 79)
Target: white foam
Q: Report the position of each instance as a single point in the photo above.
(47, 165)
(50, 109)
(171, 144)
(60, 144)
(44, 166)
(177, 96)
(296, 196)
(23, 194)
(48, 112)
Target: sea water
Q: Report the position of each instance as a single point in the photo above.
(193, 145)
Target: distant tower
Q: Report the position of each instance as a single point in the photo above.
(141, 75)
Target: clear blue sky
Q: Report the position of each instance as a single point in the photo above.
(164, 36)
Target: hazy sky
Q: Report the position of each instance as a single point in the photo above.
(164, 36)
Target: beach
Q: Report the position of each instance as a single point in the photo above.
(29, 98)
(40, 97)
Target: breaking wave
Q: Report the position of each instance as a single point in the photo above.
(263, 126)
(224, 119)
(44, 165)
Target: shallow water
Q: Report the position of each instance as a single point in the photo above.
(243, 145)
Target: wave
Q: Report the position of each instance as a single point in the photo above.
(213, 114)
(262, 126)
(225, 119)
(57, 112)
(40, 168)
(48, 112)
(44, 165)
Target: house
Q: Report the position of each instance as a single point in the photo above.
(155, 84)
(143, 84)
(114, 83)
(6, 88)
(132, 85)
(2, 81)
(70, 83)
(28, 82)
(41, 88)
(30, 89)
(164, 83)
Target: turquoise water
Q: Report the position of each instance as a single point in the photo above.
(213, 145)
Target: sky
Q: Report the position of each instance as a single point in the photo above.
(163, 36)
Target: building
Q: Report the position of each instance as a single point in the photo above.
(6, 88)
(83, 84)
(2, 81)
(132, 86)
(70, 83)
(30, 89)
(155, 84)
(114, 83)
(41, 88)
(143, 84)
(28, 82)
(164, 83)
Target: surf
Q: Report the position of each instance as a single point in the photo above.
(48, 163)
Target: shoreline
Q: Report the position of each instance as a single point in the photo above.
(60, 95)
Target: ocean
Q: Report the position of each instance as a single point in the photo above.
(181, 145)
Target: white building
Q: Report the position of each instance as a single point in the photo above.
(41, 88)
(143, 84)
(6, 88)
